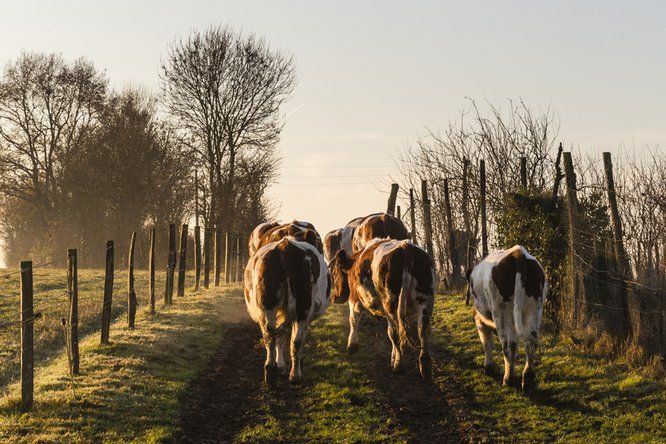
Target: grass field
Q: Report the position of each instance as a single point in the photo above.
(194, 371)
(50, 299)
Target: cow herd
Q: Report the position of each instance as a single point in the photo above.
(371, 264)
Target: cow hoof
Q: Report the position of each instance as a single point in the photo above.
(295, 380)
(489, 370)
(529, 383)
(425, 366)
(270, 375)
(352, 348)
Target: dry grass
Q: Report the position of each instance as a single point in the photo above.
(129, 390)
(50, 299)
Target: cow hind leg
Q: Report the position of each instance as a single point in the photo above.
(395, 342)
(270, 366)
(507, 336)
(354, 318)
(299, 332)
(425, 362)
(529, 373)
(281, 352)
(486, 336)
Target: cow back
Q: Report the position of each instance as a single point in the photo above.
(379, 226)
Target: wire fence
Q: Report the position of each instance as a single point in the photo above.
(46, 325)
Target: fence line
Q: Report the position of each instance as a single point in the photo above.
(28, 314)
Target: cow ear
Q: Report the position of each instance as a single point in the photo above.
(468, 273)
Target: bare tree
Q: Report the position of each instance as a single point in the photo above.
(500, 137)
(225, 90)
(47, 109)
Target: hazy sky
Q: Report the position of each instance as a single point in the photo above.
(372, 75)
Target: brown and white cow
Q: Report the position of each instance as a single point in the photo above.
(389, 278)
(273, 231)
(381, 225)
(509, 289)
(342, 238)
(256, 235)
(287, 286)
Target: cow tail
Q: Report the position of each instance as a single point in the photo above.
(408, 287)
(519, 296)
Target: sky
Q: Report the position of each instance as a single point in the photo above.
(372, 76)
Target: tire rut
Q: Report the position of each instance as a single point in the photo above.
(224, 397)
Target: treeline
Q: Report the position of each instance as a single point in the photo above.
(81, 163)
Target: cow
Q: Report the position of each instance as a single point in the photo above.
(271, 231)
(296, 231)
(388, 278)
(343, 238)
(287, 286)
(256, 235)
(381, 225)
(509, 289)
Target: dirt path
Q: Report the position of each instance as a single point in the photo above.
(430, 412)
(223, 398)
(228, 396)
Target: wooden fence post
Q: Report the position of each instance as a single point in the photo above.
(73, 293)
(227, 257)
(427, 222)
(412, 214)
(523, 172)
(27, 336)
(207, 257)
(621, 256)
(197, 257)
(484, 219)
(239, 242)
(393, 197)
(456, 276)
(151, 271)
(131, 294)
(108, 293)
(171, 265)
(218, 255)
(182, 263)
(466, 218)
(572, 218)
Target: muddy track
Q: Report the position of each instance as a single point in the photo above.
(228, 395)
(224, 398)
(430, 411)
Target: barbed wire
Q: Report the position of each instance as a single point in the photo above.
(633, 310)
(606, 272)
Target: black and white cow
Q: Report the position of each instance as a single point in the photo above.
(392, 279)
(509, 289)
(287, 286)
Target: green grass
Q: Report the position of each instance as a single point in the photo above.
(128, 390)
(580, 398)
(337, 402)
